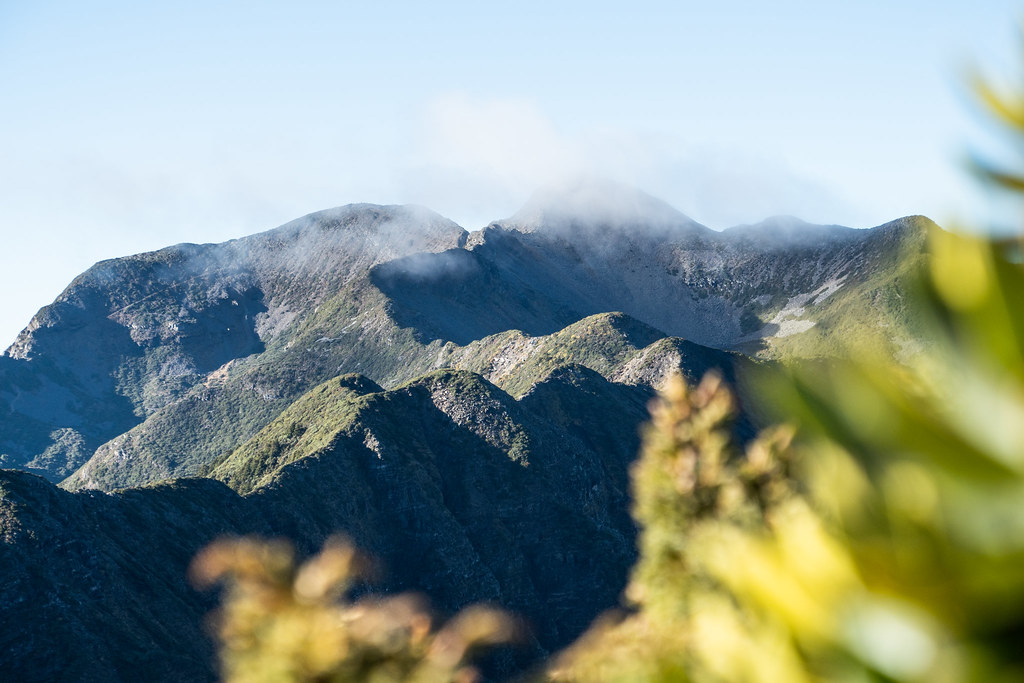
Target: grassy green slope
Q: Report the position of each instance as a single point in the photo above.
(515, 361)
(307, 426)
(607, 346)
(183, 438)
(869, 312)
(348, 332)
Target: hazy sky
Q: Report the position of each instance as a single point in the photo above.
(128, 127)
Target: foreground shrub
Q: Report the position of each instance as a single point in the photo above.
(280, 622)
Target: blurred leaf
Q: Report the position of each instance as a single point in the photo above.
(280, 622)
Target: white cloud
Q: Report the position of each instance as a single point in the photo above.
(477, 160)
(472, 159)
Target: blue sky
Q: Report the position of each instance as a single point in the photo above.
(128, 127)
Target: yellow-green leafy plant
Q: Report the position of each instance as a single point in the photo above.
(919, 470)
(737, 575)
(280, 622)
(887, 544)
(920, 467)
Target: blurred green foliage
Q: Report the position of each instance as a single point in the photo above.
(721, 533)
(280, 622)
(885, 544)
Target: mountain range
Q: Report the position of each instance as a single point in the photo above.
(464, 405)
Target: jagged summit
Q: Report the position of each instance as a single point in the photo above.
(589, 204)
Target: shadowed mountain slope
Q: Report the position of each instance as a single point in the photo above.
(94, 585)
(457, 489)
